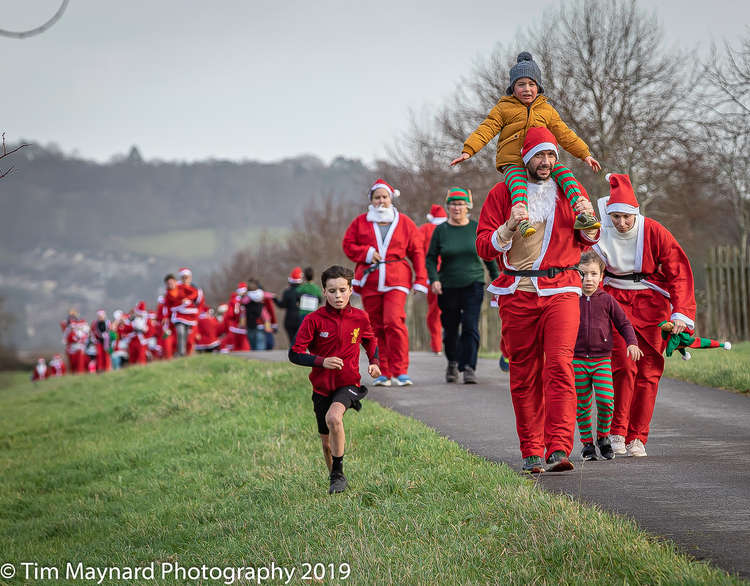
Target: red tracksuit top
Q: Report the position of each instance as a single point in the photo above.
(329, 332)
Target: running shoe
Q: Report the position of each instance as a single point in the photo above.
(470, 377)
(532, 465)
(618, 444)
(589, 451)
(403, 380)
(526, 229)
(605, 448)
(338, 483)
(558, 462)
(382, 381)
(586, 221)
(451, 373)
(636, 449)
(503, 364)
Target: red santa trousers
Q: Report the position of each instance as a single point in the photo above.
(77, 361)
(539, 334)
(136, 352)
(103, 361)
(636, 383)
(168, 345)
(239, 342)
(388, 319)
(433, 323)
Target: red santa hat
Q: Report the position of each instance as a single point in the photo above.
(383, 184)
(241, 288)
(437, 214)
(140, 309)
(621, 195)
(538, 139)
(296, 276)
(186, 272)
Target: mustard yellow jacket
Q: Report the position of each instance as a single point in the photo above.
(511, 119)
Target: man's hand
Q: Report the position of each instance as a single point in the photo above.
(333, 363)
(583, 206)
(459, 159)
(437, 287)
(517, 213)
(593, 163)
(376, 257)
(679, 326)
(634, 352)
(374, 370)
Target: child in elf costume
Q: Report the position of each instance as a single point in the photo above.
(516, 112)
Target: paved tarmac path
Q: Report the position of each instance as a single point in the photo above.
(693, 488)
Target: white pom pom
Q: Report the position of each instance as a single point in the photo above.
(727, 345)
(607, 176)
(687, 355)
(396, 193)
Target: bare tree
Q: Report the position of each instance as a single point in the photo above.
(6, 153)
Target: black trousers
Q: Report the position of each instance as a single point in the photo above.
(459, 314)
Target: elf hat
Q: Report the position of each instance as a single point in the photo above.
(186, 272)
(538, 139)
(437, 213)
(382, 183)
(621, 195)
(296, 277)
(241, 288)
(459, 194)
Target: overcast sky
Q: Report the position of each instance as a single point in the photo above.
(264, 80)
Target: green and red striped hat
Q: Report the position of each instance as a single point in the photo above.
(460, 194)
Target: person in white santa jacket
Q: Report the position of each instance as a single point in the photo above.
(380, 242)
(650, 276)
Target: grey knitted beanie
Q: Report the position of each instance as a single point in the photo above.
(525, 67)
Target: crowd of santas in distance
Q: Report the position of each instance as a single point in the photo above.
(180, 324)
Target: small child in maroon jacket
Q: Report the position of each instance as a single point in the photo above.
(328, 340)
(592, 358)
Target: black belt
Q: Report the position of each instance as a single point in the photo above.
(374, 266)
(551, 272)
(637, 277)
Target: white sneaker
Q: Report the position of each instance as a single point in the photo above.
(618, 444)
(636, 448)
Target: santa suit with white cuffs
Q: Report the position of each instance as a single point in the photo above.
(540, 314)
(436, 217)
(655, 284)
(384, 285)
(236, 335)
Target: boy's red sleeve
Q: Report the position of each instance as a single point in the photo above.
(298, 353)
(369, 342)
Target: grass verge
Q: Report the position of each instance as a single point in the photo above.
(714, 368)
(214, 460)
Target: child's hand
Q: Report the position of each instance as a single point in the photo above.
(583, 206)
(634, 352)
(517, 213)
(460, 159)
(437, 287)
(333, 363)
(593, 163)
(374, 370)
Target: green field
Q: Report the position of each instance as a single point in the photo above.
(214, 460)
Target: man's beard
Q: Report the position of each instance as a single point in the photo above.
(380, 214)
(542, 200)
(534, 175)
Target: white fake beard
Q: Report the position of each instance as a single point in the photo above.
(256, 295)
(380, 214)
(542, 200)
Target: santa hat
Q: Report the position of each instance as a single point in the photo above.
(621, 195)
(538, 139)
(186, 272)
(381, 183)
(140, 309)
(117, 314)
(41, 361)
(223, 308)
(241, 288)
(437, 214)
(459, 194)
(296, 276)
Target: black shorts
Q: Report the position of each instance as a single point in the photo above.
(348, 396)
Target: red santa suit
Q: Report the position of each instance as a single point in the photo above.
(164, 334)
(436, 217)
(56, 366)
(100, 335)
(75, 336)
(40, 371)
(208, 332)
(138, 335)
(236, 334)
(540, 319)
(384, 285)
(655, 284)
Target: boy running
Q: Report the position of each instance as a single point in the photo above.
(328, 340)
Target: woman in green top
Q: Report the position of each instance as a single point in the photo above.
(459, 284)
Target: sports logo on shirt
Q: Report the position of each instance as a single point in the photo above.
(355, 335)
(323, 334)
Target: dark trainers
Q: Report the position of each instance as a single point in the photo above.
(338, 483)
(589, 451)
(503, 364)
(558, 462)
(586, 221)
(451, 373)
(532, 465)
(526, 229)
(605, 448)
(470, 377)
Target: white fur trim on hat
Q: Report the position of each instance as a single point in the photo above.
(394, 192)
(622, 208)
(185, 271)
(437, 221)
(542, 146)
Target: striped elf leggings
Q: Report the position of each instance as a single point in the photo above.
(516, 180)
(594, 378)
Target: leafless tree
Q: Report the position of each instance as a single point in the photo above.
(6, 153)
